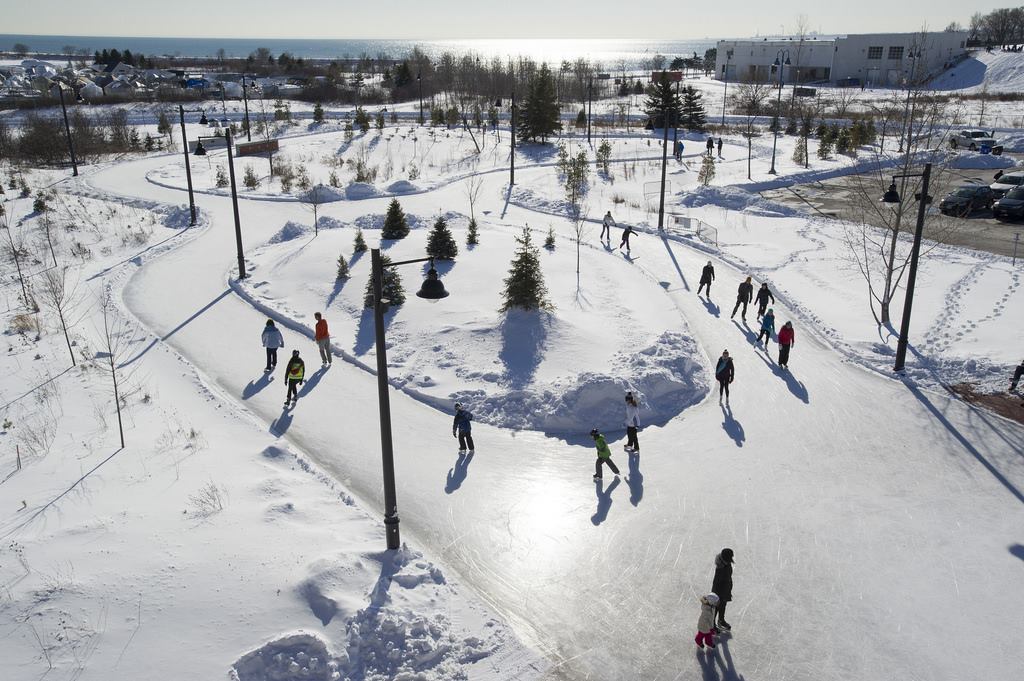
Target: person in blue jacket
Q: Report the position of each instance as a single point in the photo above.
(767, 326)
(272, 340)
(462, 428)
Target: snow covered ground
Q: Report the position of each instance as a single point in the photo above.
(851, 498)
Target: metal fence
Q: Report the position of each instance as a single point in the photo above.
(684, 225)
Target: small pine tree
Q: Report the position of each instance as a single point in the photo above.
(362, 119)
(395, 224)
(318, 113)
(222, 178)
(604, 156)
(163, 124)
(870, 133)
(249, 179)
(549, 240)
(440, 243)
(581, 119)
(821, 131)
(391, 287)
(707, 170)
(524, 286)
(39, 205)
(343, 272)
(694, 116)
(843, 142)
(825, 147)
(791, 125)
(333, 180)
(799, 154)
(360, 243)
(472, 237)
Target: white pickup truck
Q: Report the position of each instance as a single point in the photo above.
(971, 139)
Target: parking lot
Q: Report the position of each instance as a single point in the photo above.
(841, 198)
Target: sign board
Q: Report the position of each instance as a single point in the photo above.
(208, 143)
(805, 92)
(253, 148)
(672, 76)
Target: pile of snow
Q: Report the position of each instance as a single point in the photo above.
(291, 230)
(971, 160)
(177, 217)
(735, 198)
(993, 72)
(402, 187)
(360, 190)
(323, 193)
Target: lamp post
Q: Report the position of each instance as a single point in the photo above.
(67, 129)
(893, 196)
(664, 154)
(432, 289)
(201, 151)
(906, 129)
(728, 57)
(188, 170)
(779, 63)
(590, 104)
(419, 82)
(245, 99)
(512, 157)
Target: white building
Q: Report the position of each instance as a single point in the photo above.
(871, 59)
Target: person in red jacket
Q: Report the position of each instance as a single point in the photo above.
(786, 339)
(323, 339)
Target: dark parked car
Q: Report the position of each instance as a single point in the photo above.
(1010, 206)
(965, 200)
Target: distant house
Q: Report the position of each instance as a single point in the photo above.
(120, 87)
(35, 67)
(113, 70)
(91, 92)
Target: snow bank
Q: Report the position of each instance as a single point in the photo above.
(402, 187)
(291, 230)
(735, 198)
(360, 190)
(323, 193)
(971, 160)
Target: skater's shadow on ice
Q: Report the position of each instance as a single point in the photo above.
(311, 381)
(717, 664)
(635, 480)
(457, 475)
(604, 500)
(280, 425)
(798, 389)
(253, 387)
(522, 345)
(1017, 550)
(749, 335)
(733, 428)
(711, 307)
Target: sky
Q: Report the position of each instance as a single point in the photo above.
(437, 19)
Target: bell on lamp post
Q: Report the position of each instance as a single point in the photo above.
(891, 195)
(200, 149)
(203, 120)
(432, 288)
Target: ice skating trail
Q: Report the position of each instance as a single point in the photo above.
(876, 526)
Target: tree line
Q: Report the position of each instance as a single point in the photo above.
(998, 27)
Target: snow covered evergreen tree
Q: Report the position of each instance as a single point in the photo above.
(343, 272)
(663, 102)
(524, 286)
(392, 286)
(472, 237)
(538, 116)
(360, 242)
(549, 240)
(395, 224)
(707, 170)
(694, 116)
(440, 243)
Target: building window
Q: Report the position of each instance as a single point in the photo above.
(874, 53)
(895, 53)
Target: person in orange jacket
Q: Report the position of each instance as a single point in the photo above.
(323, 339)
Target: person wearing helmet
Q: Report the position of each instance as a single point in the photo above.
(632, 424)
(721, 585)
(707, 275)
(724, 374)
(764, 294)
(604, 455)
(294, 374)
(272, 340)
(767, 327)
(706, 622)
(462, 428)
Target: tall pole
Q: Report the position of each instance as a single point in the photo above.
(725, 92)
(664, 159)
(512, 166)
(188, 170)
(590, 104)
(901, 347)
(675, 129)
(419, 82)
(245, 98)
(1016, 239)
(67, 129)
(234, 205)
(391, 520)
(778, 115)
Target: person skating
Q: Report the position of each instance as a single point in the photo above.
(294, 374)
(632, 424)
(721, 585)
(764, 294)
(606, 226)
(626, 232)
(1018, 372)
(719, 147)
(604, 455)
(787, 338)
(272, 340)
(706, 622)
(462, 428)
(323, 339)
(725, 372)
(744, 295)
(767, 327)
(707, 275)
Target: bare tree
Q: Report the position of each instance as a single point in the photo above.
(842, 99)
(116, 338)
(62, 299)
(15, 253)
(474, 183)
(580, 228)
(313, 199)
(749, 98)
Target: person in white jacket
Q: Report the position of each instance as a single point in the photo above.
(706, 622)
(272, 340)
(632, 424)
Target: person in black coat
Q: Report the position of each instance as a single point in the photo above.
(744, 295)
(1016, 376)
(764, 294)
(721, 585)
(707, 275)
(724, 373)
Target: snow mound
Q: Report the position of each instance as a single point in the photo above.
(291, 230)
(970, 160)
(735, 198)
(402, 187)
(323, 193)
(178, 217)
(995, 72)
(360, 190)
(329, 222)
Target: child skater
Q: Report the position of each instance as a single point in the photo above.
(706, 623)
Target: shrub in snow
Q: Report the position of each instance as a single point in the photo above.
(707, 170)
(581, 119)
(549, 240)
(342, 268)
(392, 286)
(524, 286)
(39, 205)
(333, 180)
(604, 156)
(472, 238)
(799, 152)
(825, 147)
(843, 142)
(440, 243)
(249, 179)
(222, 177)
(395, 224)
(360, 242)
(318, 113)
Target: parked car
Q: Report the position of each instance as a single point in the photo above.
(972, 139)
(965, 200)
(1010, 206)
(1006, 182)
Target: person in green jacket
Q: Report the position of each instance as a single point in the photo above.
(604, 455)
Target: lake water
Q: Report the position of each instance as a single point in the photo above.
(609, 53)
